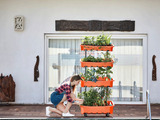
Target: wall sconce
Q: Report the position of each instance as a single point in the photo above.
(19, 23)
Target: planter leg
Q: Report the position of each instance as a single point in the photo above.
(85, 114)
(107, 114)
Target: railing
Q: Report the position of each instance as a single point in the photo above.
(148, 105)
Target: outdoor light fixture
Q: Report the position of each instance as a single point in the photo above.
(19, 23)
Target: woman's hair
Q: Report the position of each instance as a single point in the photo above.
(76, 78)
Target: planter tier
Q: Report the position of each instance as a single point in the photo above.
(99, 48)
(97, 83)
(97, 109)
(97, 64)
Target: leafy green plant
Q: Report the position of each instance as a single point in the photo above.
(89, 75)
(107, 56)
(107, 39)
(88, 40)
(104, 72)
(93, 74)
(101, 40)
(92, 59)
(96, 97)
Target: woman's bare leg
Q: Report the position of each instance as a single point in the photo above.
(55, 110)
(60, 107)
(69, 104)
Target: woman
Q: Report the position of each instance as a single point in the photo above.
(62, 94)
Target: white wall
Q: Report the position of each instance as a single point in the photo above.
(18, 50)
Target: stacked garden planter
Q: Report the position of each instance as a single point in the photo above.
(101, 81)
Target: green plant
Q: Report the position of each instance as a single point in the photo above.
(94, 74)
(89, 75)
(107, 93)
(96, 97)
(104, 72)
(88, 40)
(107, 56)
(92, 59)
(107, 39)
(101, 40)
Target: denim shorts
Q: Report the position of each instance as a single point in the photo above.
(56, 98)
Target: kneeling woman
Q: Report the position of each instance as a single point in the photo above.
(63, 93)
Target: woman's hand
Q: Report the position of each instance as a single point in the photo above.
(79, 102)
(78, 99)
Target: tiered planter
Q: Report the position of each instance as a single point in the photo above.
(101, 82)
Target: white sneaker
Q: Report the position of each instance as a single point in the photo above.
(67, 114)
(47, 111)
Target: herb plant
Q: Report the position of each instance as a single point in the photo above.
(96, 97)
(92, 59)
(101, 40)
(94, 74)
(89, 75)
(88, 40)
(104, 72)
(107, 56)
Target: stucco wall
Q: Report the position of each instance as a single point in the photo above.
(18, 50)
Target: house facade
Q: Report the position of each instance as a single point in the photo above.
(59, 51)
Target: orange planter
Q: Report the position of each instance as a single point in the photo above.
(97, 109)
(97, 64)
(97, 83)
(99, 48)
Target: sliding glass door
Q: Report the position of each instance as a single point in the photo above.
(65, 54)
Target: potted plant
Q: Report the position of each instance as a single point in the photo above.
(96, 101)
(101, 43)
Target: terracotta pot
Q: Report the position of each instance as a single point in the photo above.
(97, 109)
(97, 64)
(99, 48)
